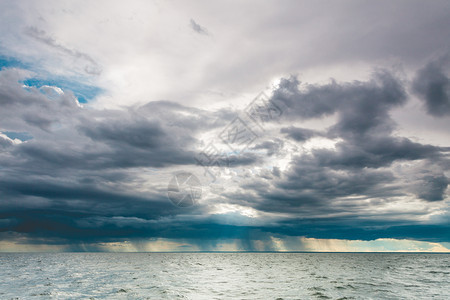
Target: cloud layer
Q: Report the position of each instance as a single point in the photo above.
(87, 146)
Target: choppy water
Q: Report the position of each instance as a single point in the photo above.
(224, 276)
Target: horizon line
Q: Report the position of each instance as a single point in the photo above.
(354, 252)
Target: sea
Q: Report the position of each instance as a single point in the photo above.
(209, 276)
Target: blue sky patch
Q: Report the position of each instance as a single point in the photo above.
(11, 62)
(23, 136)
(83, 92)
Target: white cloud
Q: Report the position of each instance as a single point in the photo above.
(148, 52)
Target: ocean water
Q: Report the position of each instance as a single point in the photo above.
(224, 276)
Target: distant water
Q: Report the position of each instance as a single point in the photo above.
(224, 276)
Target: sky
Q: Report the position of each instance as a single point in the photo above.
(225, 126)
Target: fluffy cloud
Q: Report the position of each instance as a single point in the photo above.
(432, 84)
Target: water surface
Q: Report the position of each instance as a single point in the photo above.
(224, 276)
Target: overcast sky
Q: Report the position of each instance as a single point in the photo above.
(104, 103)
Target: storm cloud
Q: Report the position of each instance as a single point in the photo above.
(432, 84)
(95, 124)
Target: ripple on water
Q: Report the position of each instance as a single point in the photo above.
(206, 276)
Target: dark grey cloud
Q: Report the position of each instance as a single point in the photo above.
(432, 84)
(374, 152)
(299, 134)
(29, 109)
(356, 176)
(310, 190)
(78, 178)
(197, 28)
(139, 134)
(363, 120)
(372, 99)
(83, 197)
(432, 188)
(135, 142)
(316, 102)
